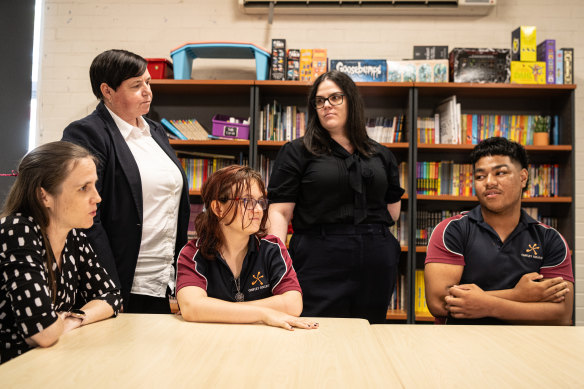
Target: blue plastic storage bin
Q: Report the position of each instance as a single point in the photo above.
(182, 56)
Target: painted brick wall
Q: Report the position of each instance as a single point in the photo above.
(75, 31)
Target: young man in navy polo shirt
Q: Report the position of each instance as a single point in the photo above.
(495, 264)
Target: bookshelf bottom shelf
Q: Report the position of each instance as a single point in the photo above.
(399, 314)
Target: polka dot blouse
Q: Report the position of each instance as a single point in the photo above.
(26, 306)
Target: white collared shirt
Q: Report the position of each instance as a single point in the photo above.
(161, 192)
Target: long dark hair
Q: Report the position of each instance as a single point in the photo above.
(45, 167)
(225, 184)
(316, 138)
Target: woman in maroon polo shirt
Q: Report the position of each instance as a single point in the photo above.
(234, 272)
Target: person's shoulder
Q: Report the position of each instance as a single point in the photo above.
(270, 241)
(10, 224)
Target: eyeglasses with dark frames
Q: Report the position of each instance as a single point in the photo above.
(250, 203)
(336, 99)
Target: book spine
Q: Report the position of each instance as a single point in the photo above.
(168, 125)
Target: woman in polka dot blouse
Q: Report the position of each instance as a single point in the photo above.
(50, 279)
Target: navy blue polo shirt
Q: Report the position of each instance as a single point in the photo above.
(266, 271)
(467, 240)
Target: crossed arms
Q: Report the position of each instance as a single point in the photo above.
(533, 300)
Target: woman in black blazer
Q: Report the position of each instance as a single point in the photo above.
(141, 223)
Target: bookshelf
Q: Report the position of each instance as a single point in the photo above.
(202, 99)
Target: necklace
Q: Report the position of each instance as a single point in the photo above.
(238, 296)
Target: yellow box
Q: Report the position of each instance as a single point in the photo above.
(527, 72)
(524, 44)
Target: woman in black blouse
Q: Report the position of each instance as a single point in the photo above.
(51, 281)
(341, 191)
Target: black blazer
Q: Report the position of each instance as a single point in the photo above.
(117, 229)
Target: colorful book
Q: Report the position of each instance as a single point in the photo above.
(559, 66)
(169, 127)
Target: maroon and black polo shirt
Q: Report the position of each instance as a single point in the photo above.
(467, 240)
(266, 271)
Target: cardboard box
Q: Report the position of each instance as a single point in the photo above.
(319, 62)
(362, 69)
(480, 65)
(528, 72)
(546, 52)
(278, 68)
(293, 65)
(524, 44)
(305, 64)
(430, 52)
(420, 71)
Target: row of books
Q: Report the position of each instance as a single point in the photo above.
(544, 180)
(281, 123)
(185, 129)
(444, 178)
(535, 213)
(386, 129)
(449, 178)
(398, 298)
(426, 221)
(199, 169)
(450, 126)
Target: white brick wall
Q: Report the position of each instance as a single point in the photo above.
(75, 31)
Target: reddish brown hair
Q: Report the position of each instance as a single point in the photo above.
(224, 185)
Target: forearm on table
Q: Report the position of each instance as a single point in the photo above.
(212, 310)
(96, 310)
(49, 336)
(289, 302)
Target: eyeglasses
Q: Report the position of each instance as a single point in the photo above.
(250, 203)
(332, 99)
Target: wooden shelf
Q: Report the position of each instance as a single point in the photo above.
(207, 143)
(559, 199)
(467, 147)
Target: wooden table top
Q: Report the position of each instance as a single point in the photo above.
(440, 356)
(134, 351)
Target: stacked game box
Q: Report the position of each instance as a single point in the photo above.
(480, 65)
(278, 68)
(362, 69)
(526, 68)
(420, 71)
(293, 65)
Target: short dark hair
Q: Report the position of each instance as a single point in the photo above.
(225, 184)
(114, 67)
(316, 137)
(499, 146)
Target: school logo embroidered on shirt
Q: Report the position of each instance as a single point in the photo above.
(258, 283)
(531, 251)
(257, 279)
(533, 247)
